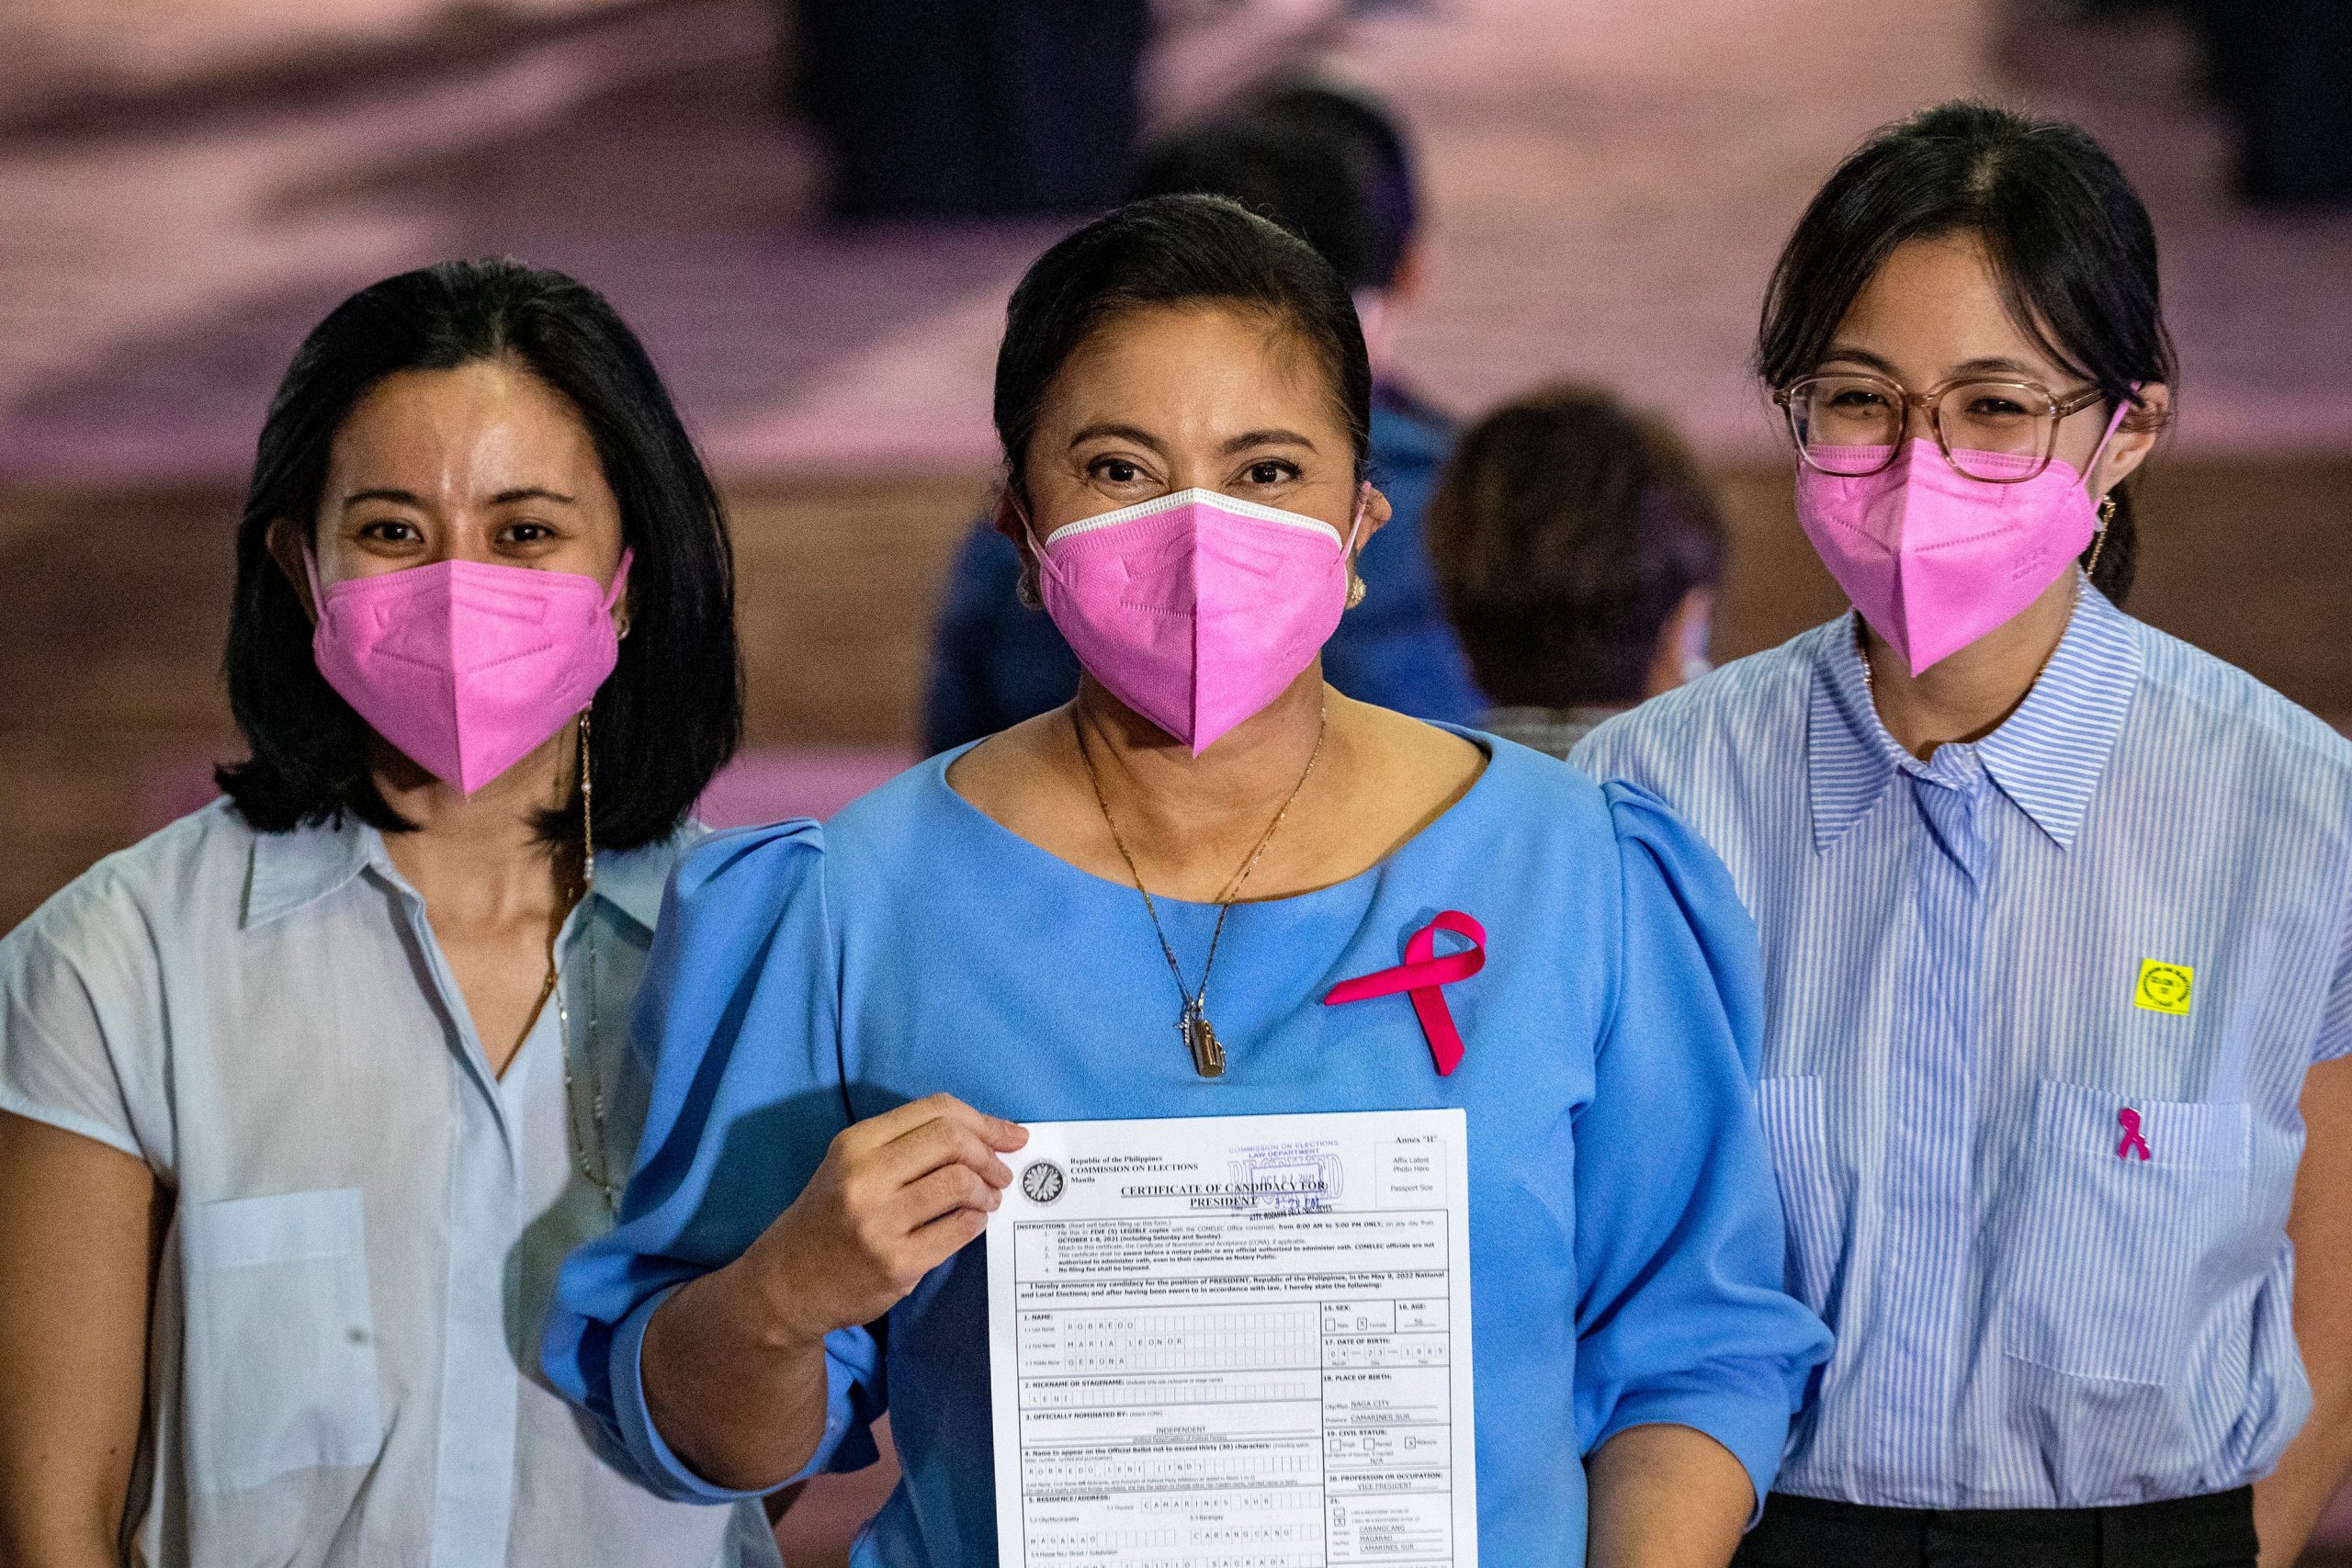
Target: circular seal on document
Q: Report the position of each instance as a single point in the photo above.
(1042, 1182)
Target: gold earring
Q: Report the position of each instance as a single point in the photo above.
(2098, 542)
(1356, 589)
(587, 812)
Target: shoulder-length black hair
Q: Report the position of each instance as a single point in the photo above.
(670, 713)
(1173, 250)
(2066, 236)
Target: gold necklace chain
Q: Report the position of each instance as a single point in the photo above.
(600, 1172)
(1193, 1021)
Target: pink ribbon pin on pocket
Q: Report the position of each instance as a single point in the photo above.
(1420, 977)
(2132, 1144)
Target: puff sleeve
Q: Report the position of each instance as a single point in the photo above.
(1681, 1315)
(738, 1016)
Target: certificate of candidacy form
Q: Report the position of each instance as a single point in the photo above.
(1235, 1342)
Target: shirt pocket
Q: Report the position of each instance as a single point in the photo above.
(280, 1371)
(2109, 1250)
(1796, 1129)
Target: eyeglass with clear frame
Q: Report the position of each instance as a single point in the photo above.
(1851, 424)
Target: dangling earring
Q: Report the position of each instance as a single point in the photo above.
(596, 1166)
(587, 814)
(1356, 589)
(1024, 588)
(2098, 541)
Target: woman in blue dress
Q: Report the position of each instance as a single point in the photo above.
(2055, 908)
(1133, 906)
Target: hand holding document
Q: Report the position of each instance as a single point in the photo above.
(1235, 1339)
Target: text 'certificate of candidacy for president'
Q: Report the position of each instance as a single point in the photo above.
(1227, 1341)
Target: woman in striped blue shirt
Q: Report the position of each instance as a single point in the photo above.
(2054, 911)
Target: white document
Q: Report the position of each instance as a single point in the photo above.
(1235, 1342)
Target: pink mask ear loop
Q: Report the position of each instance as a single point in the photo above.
(1029, 531)
(1356, 524)
(2114, 424)
(311, 570)
(620, 579)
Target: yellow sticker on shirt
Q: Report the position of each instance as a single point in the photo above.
(2163, 988)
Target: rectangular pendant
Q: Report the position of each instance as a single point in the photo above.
(1208, 1052)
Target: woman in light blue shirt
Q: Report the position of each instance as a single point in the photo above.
(2055, 912)
(303, 1099)
(1020, 926)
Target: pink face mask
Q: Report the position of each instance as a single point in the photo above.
(1932, 558)
(1196, 610)
(467, 667)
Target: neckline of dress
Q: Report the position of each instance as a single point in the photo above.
(937, 769)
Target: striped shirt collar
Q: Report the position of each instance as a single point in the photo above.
(2046, 757)
(293, 869)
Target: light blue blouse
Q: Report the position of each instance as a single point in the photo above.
(2128, 910)
(366, 1221)
(1626, 1240)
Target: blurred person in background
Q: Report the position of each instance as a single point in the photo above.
(945, 108)
(2281, 70)
(304, 1098)
(1039, 926)
(2056, 912)
(1331, 165)
(1579, 553)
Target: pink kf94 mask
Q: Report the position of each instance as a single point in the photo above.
(1196, 610)
(1932, 558)
(467, 667)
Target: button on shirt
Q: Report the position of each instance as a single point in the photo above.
(2037, 1015)
(366, 1222)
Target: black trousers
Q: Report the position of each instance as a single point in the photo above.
(2188, 1532)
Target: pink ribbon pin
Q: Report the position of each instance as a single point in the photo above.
(2133, 1142)
(1421, 975)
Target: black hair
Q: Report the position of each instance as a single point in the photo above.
(1304, 182)
(1565, 531)
(1327, 162)
(1174, 251)
(670, 713)
(2064, 232)
(1369, 128)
